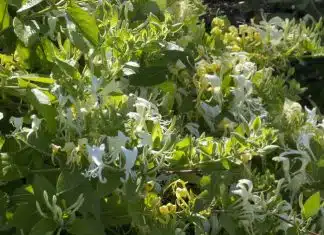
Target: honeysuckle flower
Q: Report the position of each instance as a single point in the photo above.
(246, 68)
(116, 143)
(95, 84)
(17, 123)
(244, 188)
(303, 143)
(193, 128)
(130, 157)
(311, 116)
(95, 155)
(213, 80)
(145, 139)
(210, 111)
(34, 125)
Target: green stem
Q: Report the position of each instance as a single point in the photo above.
(45, 170)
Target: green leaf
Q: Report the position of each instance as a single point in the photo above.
(26, 31)
(67, 70)
(149, 76)
(41, 184)
(86, 23)
(35, 78)
(268, 149)
(86, 227)
(2, 141)
(157, 135)
(228, 224)
(113, 183)
(312, 205)
(44, 227)
(28, 5)
(256, 123)
(9, 169)
(40, 96)
(4, 16)
(41, 103)
(68, 181)
(4, 201)
(19, 218)
(76, 37)
(241, 139)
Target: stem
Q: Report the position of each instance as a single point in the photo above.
(45, 170)
(291, 223)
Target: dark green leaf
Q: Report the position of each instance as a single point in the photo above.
(4, 200)
(44, 227)
(86, 23)
(228, 224)
(111, 185)
(149, 76)
(41, 184)
(10, 170)
(20, 220)
(68, 181)
(86, 227)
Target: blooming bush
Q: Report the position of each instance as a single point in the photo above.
(126, 117)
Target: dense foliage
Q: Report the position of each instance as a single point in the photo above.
(126, 117)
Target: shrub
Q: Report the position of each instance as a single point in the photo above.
(127, 117)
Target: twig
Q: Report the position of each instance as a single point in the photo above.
(289, 222)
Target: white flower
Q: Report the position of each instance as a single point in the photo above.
(17, 123)
(115, 144)
(311, 116)
(193, 128)
(242, 190)
(210, 111)
(95, 155)
(95, 84)
(130, 156)
(145, 139)
(213, 80)
(303, 143)
(145, 110)
(34, 125)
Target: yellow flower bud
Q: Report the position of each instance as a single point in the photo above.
(257, 36)
(172, 208)
(149, 186)
(181, 193)
(216, 32)
(164, 210)
(236, 48)
(245, 157)
(55, 148)
(218, 22)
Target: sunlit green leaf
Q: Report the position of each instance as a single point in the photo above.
(28, 5)
(312, 205)
(26, 31)
(86, 23)
(4, 16)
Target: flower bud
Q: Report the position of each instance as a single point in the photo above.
(181, 193)
(172, 208)
(164, 210)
